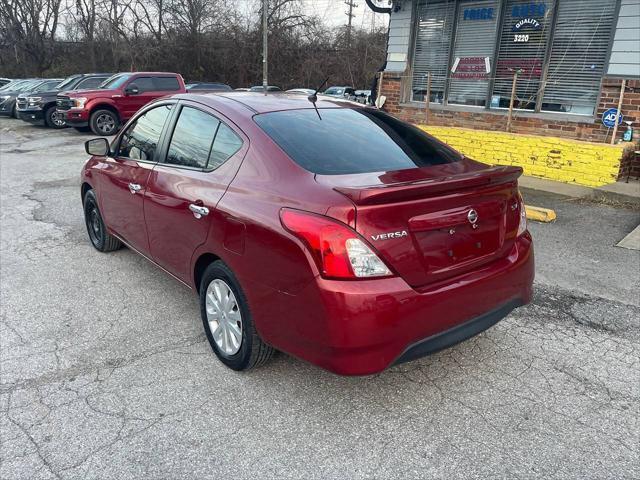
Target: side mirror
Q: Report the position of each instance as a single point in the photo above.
(132, 89)
(97, 146)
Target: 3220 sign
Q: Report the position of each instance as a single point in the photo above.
(521, 38)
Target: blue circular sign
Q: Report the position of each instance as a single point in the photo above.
(609, 118)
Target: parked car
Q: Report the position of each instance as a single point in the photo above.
(105, 109)
(341, 235)
(12, 84)
(339, 91)
(303, 91)
(362, 96)
(200, 87)
(4, 81)
(8, 97)
(40, 108)
(260, 88)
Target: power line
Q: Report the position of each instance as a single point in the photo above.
(350, 16)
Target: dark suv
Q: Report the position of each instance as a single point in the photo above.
(9, 95)
(40, 108)
(105, 109)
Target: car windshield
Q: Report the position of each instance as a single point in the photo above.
(68, 82)
(344, 141)
(11, 84)
(115, 81)
(334, 91)
(46, 85)
(28, 85)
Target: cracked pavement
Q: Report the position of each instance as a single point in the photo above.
(105, 371)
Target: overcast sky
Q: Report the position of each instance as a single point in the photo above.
(334, 12)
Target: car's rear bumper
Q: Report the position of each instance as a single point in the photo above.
(31, 116)
(75, 118)
(363, 327)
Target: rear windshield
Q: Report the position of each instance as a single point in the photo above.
(349, 141)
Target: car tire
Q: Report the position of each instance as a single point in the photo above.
(14, 112)
(104, 122)
(100, 238)
(83, 129)
(222, 335)
(51, 119)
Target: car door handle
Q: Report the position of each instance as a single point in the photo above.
(134, 188)
(198, 210)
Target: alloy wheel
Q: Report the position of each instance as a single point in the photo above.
(224, 317)
(106, 123)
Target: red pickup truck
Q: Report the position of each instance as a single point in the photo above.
(105, 109)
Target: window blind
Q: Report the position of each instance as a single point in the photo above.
(578, 56)
(473, 52)
(522, 46)
(433, 40)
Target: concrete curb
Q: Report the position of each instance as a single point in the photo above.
(619, 192)
(540, 214)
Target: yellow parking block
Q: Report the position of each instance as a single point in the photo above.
(540, 214)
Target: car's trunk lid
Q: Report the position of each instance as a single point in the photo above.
(438, 222)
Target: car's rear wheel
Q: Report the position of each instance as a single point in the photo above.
(53, 119)
(227, 320)
(104, 122)
(100, 238)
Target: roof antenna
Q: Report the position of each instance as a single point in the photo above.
(313, 98)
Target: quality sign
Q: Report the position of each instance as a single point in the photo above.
(609, 118)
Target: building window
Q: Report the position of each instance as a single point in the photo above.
(433, 41)
(473, 52)
(558, 48)
(578, 56)
(522, 48)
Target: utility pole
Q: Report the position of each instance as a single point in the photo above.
(350, 15)
(265, 5)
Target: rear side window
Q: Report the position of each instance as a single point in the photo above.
(140, 140)
(343, 141)
(92, 82)
(166, 84)
(225, 145)
(202, 141)
(192, 138)
(144, 84)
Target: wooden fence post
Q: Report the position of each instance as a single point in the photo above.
(513, 94)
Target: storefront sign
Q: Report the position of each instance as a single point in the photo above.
(529, 10)
(609, 118)
(478, 14)
(526, 23)
(471, 67)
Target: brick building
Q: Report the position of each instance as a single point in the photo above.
(569, 58)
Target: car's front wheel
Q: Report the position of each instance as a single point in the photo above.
(104, 122)
(100, 238)
(227, 320)
(53, 119)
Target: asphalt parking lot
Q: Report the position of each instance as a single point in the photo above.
(105, 372)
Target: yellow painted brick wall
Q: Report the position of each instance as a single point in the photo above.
(568, 161)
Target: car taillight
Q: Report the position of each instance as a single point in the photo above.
(339, 252)
(522, 226)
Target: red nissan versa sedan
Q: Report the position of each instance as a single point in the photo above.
(328, 230)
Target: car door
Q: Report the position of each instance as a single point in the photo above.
(132, 102)
(201, 157)
(124, 176)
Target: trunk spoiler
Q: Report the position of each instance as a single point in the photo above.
(375, 194)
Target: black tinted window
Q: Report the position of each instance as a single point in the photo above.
(141, 138)
(352, 141)
(226, 144)
(92, 82)
(192, 138)
(166, 83)
(144, 84)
